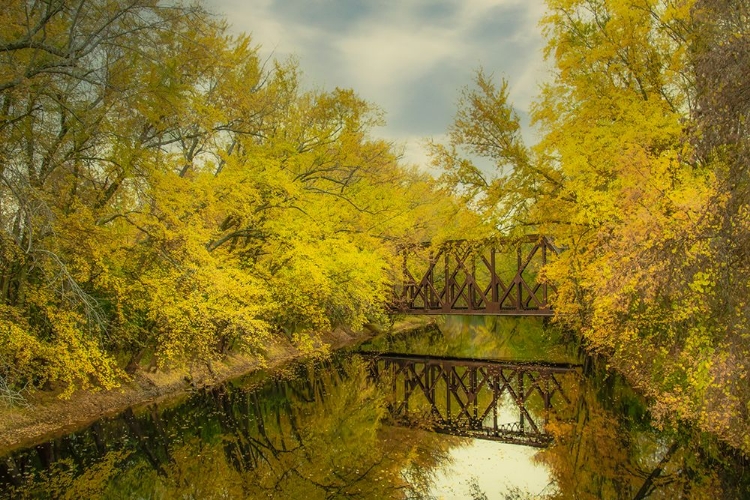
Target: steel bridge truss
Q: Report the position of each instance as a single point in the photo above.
(492, 277)
(496, 400)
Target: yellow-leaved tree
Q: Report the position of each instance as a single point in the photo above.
(639, 177)
(164, 193)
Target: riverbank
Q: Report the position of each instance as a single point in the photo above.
(47, 416)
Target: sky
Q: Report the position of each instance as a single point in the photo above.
(496, 468)
(411, 58)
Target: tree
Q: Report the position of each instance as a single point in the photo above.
(60, 88)
(164, 193)
(641, 177)
(486, 127)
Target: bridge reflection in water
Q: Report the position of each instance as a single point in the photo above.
(505, 401)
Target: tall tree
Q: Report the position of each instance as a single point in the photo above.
(163, 191)
(641, 177)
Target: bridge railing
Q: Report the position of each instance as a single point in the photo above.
(489, 277)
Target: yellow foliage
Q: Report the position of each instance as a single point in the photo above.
(654, 229)
(164, 193)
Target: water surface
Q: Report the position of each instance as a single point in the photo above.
(475, 408)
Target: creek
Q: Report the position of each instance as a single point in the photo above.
(476, 407)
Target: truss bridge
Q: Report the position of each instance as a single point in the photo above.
(505, 401)
(490, 277)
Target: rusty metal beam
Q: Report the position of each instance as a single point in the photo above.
(464, 277)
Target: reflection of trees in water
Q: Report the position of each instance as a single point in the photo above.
(611, 450)
(492, 337)
(317, 436)
(320, 435)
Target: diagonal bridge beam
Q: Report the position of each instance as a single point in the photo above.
(489, 277)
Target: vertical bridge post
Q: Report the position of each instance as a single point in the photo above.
(491, 277)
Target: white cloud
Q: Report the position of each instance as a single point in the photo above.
(413, 148)
(401, 55)
(388, 56)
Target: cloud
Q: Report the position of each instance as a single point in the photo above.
(386, 56)
(413, 148)
(410, 57)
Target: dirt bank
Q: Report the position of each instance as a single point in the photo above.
(48, 416)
